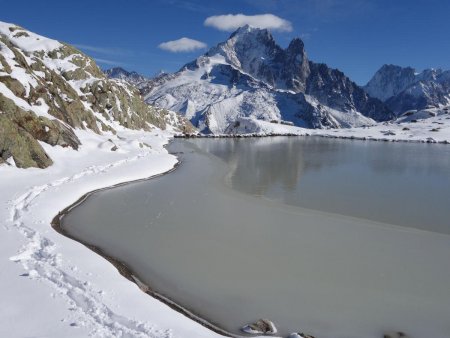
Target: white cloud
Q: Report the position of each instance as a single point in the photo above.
(182, 45)
(231, 22)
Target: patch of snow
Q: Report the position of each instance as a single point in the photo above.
(31, 43)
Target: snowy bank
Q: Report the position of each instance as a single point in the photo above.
(53, 286)
(434, 129)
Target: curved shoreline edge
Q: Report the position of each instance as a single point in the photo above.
(124, 270)
(127, 272)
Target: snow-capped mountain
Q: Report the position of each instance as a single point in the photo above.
(49, 90)
(132, 77)
(403, 89)
(250, 75)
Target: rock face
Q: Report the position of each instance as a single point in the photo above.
(262, 326)
(20, 130)
(249, 75)
(404, 89)
(255, 52)
(49, 89)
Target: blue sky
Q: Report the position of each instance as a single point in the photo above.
(356, 36)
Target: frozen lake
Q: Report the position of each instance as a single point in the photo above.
(334, 238)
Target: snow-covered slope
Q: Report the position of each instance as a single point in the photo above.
(249, 75)
(48, 89)
(404, 89)
(429, 125)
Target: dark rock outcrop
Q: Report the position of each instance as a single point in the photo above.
(20, 130)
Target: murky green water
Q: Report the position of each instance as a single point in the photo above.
(334, 238)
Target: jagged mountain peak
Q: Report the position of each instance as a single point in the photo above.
(248, 41)
(255, 52)
(246, 30)
(120, 73)
(391, 67)
(403, 88)
(389, 81)
(116, 71)
(396, 71)
(296, 46)
(244, 44)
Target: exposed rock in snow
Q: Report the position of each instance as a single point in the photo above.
(48, 88)
(249, 75)
(299, 335)
(261, 326)
(403, 89)
(21, 130)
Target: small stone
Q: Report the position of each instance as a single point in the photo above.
(299, 335)
(262, 326)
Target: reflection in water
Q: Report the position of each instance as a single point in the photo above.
(258, 164)
(399, 183)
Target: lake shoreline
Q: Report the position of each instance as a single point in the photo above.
(128, 273)
(343, 137)
(123, 269)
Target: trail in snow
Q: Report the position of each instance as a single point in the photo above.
(38, 257)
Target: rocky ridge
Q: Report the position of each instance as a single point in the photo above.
(49, 89)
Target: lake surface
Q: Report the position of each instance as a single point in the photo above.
(335, 238)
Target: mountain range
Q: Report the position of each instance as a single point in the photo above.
(250, 75)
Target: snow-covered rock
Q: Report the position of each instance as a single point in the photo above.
(261, 326)
(403, 89)
(299, 335)
(249, 75)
